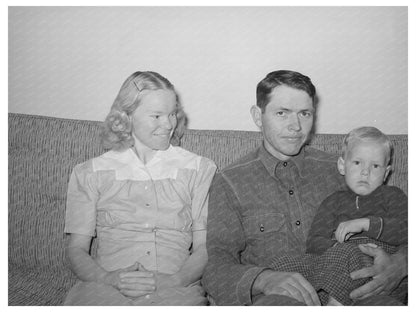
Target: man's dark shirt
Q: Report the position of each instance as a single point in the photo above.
(261, 208)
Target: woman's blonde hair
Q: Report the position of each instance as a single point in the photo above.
(117, 128)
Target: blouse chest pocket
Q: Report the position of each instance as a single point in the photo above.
(266, 236)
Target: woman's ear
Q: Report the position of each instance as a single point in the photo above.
(341, 165)
(256, 115)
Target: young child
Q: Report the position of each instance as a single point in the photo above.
(367, 212)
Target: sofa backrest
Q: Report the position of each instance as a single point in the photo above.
(43, 151)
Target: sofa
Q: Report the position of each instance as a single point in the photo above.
(41, 154)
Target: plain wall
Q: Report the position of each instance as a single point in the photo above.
(71, 61)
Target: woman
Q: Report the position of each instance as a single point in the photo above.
(145, 200)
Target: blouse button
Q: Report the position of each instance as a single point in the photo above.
(285, 164)
(148, 253)
(291, 192)
(297, 222)
(261, 228)
(147, 204)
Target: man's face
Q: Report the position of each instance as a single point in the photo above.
(365, 166)
(286, 122)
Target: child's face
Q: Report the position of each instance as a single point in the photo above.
(365, 167)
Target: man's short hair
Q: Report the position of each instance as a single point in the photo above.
(282, 77)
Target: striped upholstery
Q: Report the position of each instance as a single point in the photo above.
(42, 153)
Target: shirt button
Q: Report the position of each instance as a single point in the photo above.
(291, 192)
(297, 222)
(148, 253)
(261, 228)
(284, 164)
(147, 205)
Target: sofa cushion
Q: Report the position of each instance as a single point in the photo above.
(42, 153)
(40, 286)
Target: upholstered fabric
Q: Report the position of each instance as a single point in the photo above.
(42, 154)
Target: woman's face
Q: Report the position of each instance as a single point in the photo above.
(154, 120)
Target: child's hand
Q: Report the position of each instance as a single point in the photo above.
(348, 228)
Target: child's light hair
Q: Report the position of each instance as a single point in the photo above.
(368, 134)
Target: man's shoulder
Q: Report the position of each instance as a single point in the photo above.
(242, 164)
(240, 174)
(315, 155)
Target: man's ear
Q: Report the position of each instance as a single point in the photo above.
(256, 115)
(386, 174)
(341, 165)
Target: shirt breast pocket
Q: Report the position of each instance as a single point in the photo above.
(266, 236)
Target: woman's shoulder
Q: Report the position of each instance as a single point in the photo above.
(108, 160)
(188, 158)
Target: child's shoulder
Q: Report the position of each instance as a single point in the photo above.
(391, 190)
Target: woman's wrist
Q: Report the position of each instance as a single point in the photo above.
(109, 278)
(168, 280)
(177, 279)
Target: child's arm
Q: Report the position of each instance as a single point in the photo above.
(320, 234)
(390, 228)
(348, 228)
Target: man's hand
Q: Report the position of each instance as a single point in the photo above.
(348, 228)
(386, 272)
(289, 284)
(133, 281)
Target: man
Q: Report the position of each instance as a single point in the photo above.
(261, 208)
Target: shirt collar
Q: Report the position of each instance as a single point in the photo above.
(159, 155)
(271, 163)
